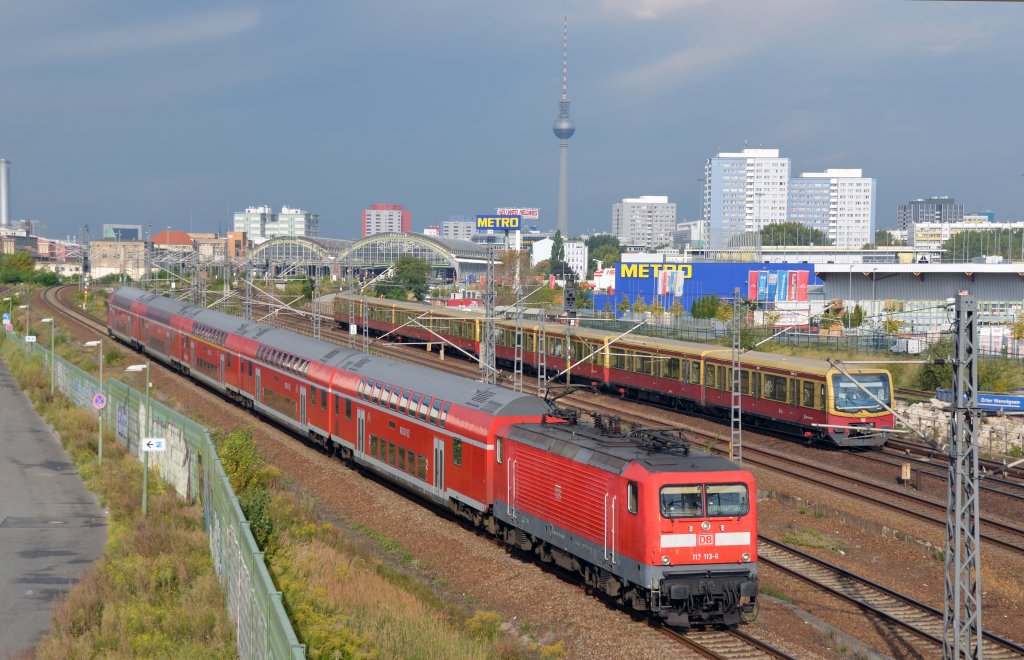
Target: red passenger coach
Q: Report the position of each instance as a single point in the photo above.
(640, 518)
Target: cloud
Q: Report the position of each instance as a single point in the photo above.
(934, 38)
(135, 38)
(650, 10)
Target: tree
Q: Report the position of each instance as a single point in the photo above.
(657, 311)
(676, 309)
(605, 249)
(968, 245)
(884, 238)
(892, 326)
(408, 280)
(724, 311)
(16, 267)
(624, 305)
(704, 307)
(792, 233)
(639, 304)
(857, 316)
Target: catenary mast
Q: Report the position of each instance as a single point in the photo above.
(564, 130)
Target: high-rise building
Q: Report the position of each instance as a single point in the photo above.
(840, 203)
(647, 221)
(253, 221)
(385, 219)
(744, 192)
(459, 227)
(293, 222)
(564, 129)
(931, 209)
(260, 223)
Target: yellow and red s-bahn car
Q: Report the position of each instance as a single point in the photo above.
(803, 397)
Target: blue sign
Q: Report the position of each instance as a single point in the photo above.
(988, 400)
(7, 318)
(688, 282)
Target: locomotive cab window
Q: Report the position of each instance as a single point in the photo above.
(682, 502)
(728, 500)
(631, 497)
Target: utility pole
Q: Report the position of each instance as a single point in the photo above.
(517, 368)
(488, 373)
(316, 306)
(736, 413)
(961, 624)
(247, 303)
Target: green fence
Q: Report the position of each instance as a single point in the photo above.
(190, 464)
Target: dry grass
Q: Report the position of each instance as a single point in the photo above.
(154, 592)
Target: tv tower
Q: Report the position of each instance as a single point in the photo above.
(564, 130)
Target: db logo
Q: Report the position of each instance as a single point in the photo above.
(705, 539)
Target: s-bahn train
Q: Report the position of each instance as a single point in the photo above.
(639, 517)
(802, 397)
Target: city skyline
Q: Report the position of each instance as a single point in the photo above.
(167, 113)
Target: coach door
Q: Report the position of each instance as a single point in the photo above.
(439, 467)
(361, 431)
(257, 394)
(302, 405)
(610, 521)
(222, 367)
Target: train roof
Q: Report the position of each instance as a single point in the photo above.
(490, 399)
(614, 452)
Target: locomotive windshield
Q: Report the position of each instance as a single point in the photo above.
(715, 499)
(851, 398)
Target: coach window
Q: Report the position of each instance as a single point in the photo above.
(249, 362)
(312, 394)
(709, 375)
(435, 411)
(695, 372)
(414, 404)
(794, 396)
(403, 402)
(401, 459)
(756, 382)
(644, 364)
(373, 445)
(775, 387)
(497, 450)
(348, 409)
(457, 452)
(410, 465)
(681, 502)
(807, 394)
(727, 500)
(424, 407)
(323, 399)
(385, 395)
(670, 368)
(444, 412)
(821, 401)
(631, 496)
(744, 381)
(421, 467)
(377, 386)
(723, 382)
(393, 399)
(618, 359)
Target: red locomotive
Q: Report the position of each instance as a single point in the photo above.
(803, 397)
(639, 517)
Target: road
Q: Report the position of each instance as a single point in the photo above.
(51, 527)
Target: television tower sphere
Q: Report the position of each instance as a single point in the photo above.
(563, 128)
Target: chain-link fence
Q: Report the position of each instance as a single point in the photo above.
(190, 464)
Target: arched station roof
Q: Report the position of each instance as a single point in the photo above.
(299, 249)
(382, 250)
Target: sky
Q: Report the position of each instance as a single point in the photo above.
(177, 114)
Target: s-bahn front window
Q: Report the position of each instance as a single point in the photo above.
(852, 399)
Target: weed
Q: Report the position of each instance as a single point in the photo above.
(812, 539)
(767, 590)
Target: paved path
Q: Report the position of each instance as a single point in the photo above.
(51, 528)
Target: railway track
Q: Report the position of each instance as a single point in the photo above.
(710, 643)
(918, 625)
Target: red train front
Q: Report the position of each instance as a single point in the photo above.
(642, 518)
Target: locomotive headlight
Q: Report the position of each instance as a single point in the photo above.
(745, 557)
(665, 560)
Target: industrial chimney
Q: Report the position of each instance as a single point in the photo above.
(5, 195)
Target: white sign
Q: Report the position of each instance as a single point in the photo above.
(527, 214)
(154, 444)
(31, 339)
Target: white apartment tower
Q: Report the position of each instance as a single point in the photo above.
(744, 192)
(647, 221)
(838, 202)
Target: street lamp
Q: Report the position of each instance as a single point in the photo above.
(52, 361)
(90, 344)
(145, 459)
(25, 307)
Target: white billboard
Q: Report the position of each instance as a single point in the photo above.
(527, 214)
